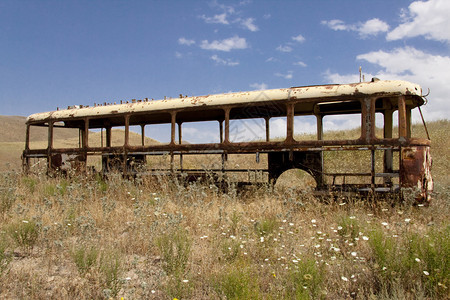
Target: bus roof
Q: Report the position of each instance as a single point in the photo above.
(325, 92)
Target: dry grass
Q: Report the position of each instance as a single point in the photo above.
(159, 239)
(87, 238)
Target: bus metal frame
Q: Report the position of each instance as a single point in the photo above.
(364, 98)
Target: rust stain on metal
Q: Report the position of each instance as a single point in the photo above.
(415, 172)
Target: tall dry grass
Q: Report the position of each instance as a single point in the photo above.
(91, 238)
(159, 239)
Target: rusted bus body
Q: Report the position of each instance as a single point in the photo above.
(365, 99)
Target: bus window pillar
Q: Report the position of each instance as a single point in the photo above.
(388, 156)
(402, 122)
(173, 123)
(108, 136)
(227, 125)
(408, 122)
(267, 122)
(143, 134)
(290, 122)
(125, 145)
(221, 131)
(25, 158)
(85, 141)
(27, 138)
(367, 119)
(127, 130)
(84, 134)
(320, 178)
(180, 139)
(50, 145)
(319, 127)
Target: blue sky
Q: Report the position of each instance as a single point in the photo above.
(60, 53)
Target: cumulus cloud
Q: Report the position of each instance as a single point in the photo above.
(249, 24)
(299, 38)
(282, 48)
(426, 19)
(226, 45)
(259, 86)
(229, 16)
(184, 41)
(216, 19)
(411, 64)
(287, 75)
(225, 62)
(300, 63)
(371, 27)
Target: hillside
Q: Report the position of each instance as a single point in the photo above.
(13, 129)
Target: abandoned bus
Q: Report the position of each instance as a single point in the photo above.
(380, 157)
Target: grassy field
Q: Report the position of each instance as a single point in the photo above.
(87, 238)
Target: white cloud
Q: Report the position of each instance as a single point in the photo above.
(282, 48)
(184, 41)
(202, 132)
(429, 19)
(232, 43)
(288, 75)
(228, 16)
(299, 38)
(249, 24)
(259, 86)
(408, 63)
(339, 78)
(336, 25)
(178, 55)
(371, 27)
(221, 61)
(216, 19)
(300, 63)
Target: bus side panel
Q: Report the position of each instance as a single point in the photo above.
(415, 172)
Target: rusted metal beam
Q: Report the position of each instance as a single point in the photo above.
(402, 122)
(290, 123)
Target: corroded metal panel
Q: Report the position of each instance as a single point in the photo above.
(415, 173)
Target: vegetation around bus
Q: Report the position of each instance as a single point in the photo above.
(90, 238)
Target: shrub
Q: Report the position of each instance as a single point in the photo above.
(4, 257)
(349, 227)
(111, 268)
(305, 280)
(236, 282)
(414, 262)
(25, 234)
(175, 248)
(84, 258)
(266, 226)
